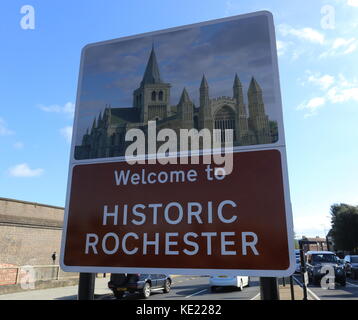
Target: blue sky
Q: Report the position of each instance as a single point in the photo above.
(318, 50)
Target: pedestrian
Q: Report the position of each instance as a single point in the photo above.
(54, 257)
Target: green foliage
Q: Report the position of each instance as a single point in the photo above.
(344, 219)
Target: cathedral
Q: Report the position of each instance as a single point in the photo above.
(151, 101)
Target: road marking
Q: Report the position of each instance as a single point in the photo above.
(308, 290)
(196, 293)
(254, 298)
(352, 284)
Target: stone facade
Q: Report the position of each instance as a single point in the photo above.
(29, 232)
(151, 102)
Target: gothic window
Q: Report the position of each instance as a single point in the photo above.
(154, 96)
(196, 122)
(113, 137)
(225, 120)
(160, 96)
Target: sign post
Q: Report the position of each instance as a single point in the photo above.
(86, 286)
(269, 288)
(305, 279)
(192, 177)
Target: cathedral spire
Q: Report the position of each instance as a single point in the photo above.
(254, 86)
(93, 124)
(184, 97)
(204, 83)
(151, 74)
(237, 82)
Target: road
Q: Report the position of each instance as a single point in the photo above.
(183, 288)
(348, 292)
(197, 287)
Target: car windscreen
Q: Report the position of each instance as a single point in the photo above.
(324, 258)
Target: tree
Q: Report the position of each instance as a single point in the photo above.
(344, 219)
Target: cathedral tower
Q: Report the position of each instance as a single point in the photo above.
(258, 120)
(152, 98)
(205, 117)
(186, 111)
(242, 129)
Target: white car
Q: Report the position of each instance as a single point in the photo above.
(222, 280)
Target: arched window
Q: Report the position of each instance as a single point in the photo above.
(196, 122)
(154, 96)
(225, 120)
(160, 96)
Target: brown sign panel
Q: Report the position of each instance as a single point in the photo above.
(178, 216)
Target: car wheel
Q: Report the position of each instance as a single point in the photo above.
(343, 283)
(167, 286)
(118, 295)
(146, 290)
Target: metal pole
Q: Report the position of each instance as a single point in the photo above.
(284, 282)
(292, 289)
(86, 286)
(269, 289)
(303, 271)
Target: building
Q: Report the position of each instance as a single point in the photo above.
(316, 244)
(151, 101)
(29, 233)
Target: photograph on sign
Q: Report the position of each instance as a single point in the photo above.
(213, 76)
(216, 82)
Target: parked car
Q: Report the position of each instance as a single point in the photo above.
(351, 266)
(298, 261)
(223, 280)
(315, 260)
(120, 283)
(298, 265)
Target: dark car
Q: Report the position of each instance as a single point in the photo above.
(351, 265)
(315, 260)
(120, 283)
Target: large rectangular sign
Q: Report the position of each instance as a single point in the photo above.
(178, 161)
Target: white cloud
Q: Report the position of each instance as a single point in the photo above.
(331, 47)
(312, 105)
(4, 131)
(67, 133)
(340, 46)
(307, 33)
(67, 108)
(324, 81)
(340, 95)
(343, 91)
(352, 3)
(18, 145)
(24, 171)
(342, 42)
(335, 90)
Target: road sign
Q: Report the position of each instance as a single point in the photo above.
(143, 195)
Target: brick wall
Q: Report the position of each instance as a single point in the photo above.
(29, 232)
